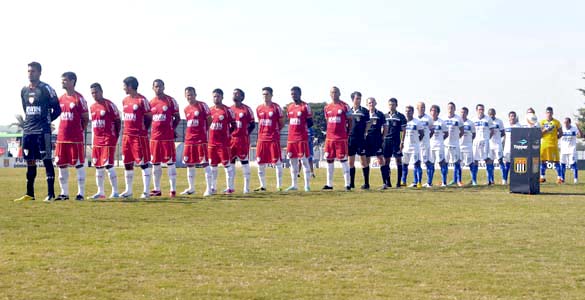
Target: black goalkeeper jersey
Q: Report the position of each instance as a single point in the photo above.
(41, 107)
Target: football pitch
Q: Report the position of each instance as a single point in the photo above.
(440, 243)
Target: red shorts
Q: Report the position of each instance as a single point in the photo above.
(195, 154)
(69, 154)
(297, 149)
(335, 150)
(135, 149)
(102, 156)
(218, 155)
(240, 148)
(268, 152)
(163, 152)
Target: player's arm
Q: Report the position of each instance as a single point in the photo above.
(402, 134)
(559, 132)
(473, 132)
(492, 131)
(421, 135)
(461, 131)
(431, 131)
(147, 119)
(445, 134)
(54, 106)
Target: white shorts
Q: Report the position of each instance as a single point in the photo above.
(425, 153)
(410, 157)
(569, 159)
(466, 158)
(437, 155)
(452, 154)
(481, 150)
(496, 153)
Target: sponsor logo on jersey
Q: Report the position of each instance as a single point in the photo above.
(159, 117)
(33, 110)
(265, 122)
(334, 120)
(67, 116)
(216, 126)
(192, 123)
(129, 116)
(295, 121)
(98, 123)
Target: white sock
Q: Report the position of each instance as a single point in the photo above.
(262, 175)
(129, 180)
(346, 175)
(191, 178)
(81, 180)
(208, 178)
(213, 177)
(330, 169)
(99, 180)
(156, 174)
(146, 180)
(230, 172)
(246, 171)
(307, 169)
(172, 171)
(278, 175)
(294, 171)
(113, 179)
(64, 181)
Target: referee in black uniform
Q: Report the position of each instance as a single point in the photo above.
(373, 141)
(41, 107)
(360, 118)
(393, 139)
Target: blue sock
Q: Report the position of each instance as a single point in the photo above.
(430, 173)
(457, 172)
(564, 170)
(420, 173)
(473, 172)
(417, 172)
(444, 172)
(404, 172)
(542, 169)
(558, 169)
(575, 171)
(507, 170)
(490, 172)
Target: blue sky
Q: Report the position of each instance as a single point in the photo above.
(505, 54)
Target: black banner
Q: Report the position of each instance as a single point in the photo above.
(525, 159)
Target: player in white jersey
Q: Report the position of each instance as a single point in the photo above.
(484, 128)
(512, 123)
(411, 146)
(466, 143)
(496, 145)
(531, 120)
(438, 135)
(568, 146)
(454, 127)
(426, 123)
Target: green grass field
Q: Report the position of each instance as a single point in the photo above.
(453, 243)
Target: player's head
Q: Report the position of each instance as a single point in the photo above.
(451, 108)
(68, 80)
(392, 104)
(217, 96)
(530, 110)
(334, 93)
(549, 113)
(158, 86)
(409, 110)
(464, 112)
(371, 102)
(356, 97)
(567, 122)
(130, 85)
(492, 113)
(96, 91)
(420, 108)
(267, 94)
(480, 109)
(34, 71)
(295, 94)
(238, 96)
(435, 111)
(191, 94)
(512, 117)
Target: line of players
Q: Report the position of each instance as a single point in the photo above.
(221, 135)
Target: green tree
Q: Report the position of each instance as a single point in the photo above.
(19, 124)
(580, 116)
(319, 123)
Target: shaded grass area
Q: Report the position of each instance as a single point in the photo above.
(454, 243)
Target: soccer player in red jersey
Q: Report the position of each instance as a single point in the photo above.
(165, 119)
(300, 119)
(106, 124)
(198, 118)
(270, 122)
(222, 124)
(135, 149)
(240, 141)
(338, 125)
(70, 149)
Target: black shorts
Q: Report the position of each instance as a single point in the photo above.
(391, 148)
(355, 146)
(372, 146)
(37, 146)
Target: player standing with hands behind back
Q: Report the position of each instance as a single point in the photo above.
(339, 124)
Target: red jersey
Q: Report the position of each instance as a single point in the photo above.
(162, 110)
(268, 122)
(222, 117)
(336, 115)
(196, 116)
(72, 107)
(103, 115)
(133, 115)
(244, 116)
(297, 121)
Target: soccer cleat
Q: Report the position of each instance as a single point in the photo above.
(172, 194)
(228, 192)
(307, 189)
(348, 188)
(79, 197)
(154, 193)
(49, 199)
(365, 187)
(208, 193)
(114, 195)
(352, 186)
(491, 183)
(383, 187)
(291, 188)
(542, 180)
(313, 175)
(443, 184)
(187, 192)
(62, 197)
(97, 197)
(144, 196)
(126, 195)
(24, 198)
(260, 189)
(326, 187)
(452, 182)
(504, 182)
(426, 185)
(245, 191)
(560, 181)
(398, 185)
(460, 184)
(473, 183)
(412, 185)
(299, 175)
(575, 181)
(418, 185)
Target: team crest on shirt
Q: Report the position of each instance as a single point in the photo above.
(102, 113)
(165, 108)
(241, 115)
(196, 113)
(71, 105)
(25, 152)
(31, 98)
(299, 113)
(339, 111)
(270, 114)
(221, 117)
(135, 107)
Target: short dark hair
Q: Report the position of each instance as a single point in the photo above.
(492, 110)
(479, 105)
(36, 65)
(296, 88)
(70, 76)
(132, 82)
(393, 100)
(549, 109)
(96, 86)
(451, 103)
(218, 91)
(568, 119)
(465, 109)
(159, 81)
(512, 112)
(268, 89)
(436, 107)
(354, 94)
(409, 107)
(190, 89)
(241, 92)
